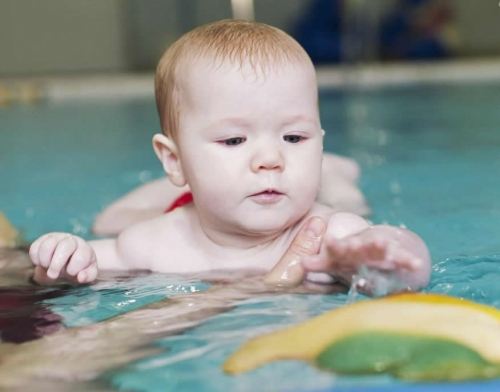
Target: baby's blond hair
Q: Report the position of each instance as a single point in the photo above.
(240, 42)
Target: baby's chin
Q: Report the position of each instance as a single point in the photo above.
(268, 226)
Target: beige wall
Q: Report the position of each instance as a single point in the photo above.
(54, 36)
(58, 36)
(47, 36)
(478, 26)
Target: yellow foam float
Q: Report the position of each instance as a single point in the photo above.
(411, 336)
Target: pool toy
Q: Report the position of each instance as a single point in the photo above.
(418, 337)
(8, 234)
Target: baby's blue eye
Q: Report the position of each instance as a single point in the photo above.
(293, 138)
(233, 141)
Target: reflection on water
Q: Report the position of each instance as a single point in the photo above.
(141, 331)
(91, 350)
(474, 278)
(24, 316)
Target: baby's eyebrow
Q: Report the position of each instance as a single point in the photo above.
(300, 118)
(243, 123)
(231, 121)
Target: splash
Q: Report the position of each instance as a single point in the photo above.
(377, 282)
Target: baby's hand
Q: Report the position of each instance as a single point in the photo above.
(368, 248)
(64, 255)
(390, 250)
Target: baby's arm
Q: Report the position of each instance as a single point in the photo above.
(351, 244)
(143, 203)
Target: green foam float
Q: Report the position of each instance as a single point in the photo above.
(413, 336)
(408, 357)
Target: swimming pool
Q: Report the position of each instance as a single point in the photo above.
(430, 158)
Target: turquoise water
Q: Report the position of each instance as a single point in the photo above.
(430, 158)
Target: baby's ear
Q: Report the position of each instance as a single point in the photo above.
(168, 154)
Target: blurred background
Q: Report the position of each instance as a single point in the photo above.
(60, 36)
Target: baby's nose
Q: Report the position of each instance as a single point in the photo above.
(268, 158)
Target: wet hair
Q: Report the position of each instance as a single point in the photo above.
(238, 42)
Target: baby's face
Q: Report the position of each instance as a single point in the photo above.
(250, 145)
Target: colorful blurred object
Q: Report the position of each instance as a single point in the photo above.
(8, 234)
(334, 31)
(417, 30)
(418, 337)
(319, 31)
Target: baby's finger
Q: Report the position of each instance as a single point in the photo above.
(405, 260)
(83, 257)
(34, 249)
(87, 275)
(64, 249)
(40, 276)
(336, 248)
(316, 263)
(377, 250)
(46, 251)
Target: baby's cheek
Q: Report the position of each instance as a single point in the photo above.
(343, 224)
(306, 185)
(213, 198)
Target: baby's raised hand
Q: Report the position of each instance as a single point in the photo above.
(367, 248)
(64, 255)
(396, 252)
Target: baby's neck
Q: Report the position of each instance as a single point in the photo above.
(238, 240)
(234, 242)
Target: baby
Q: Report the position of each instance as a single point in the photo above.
(238, 106)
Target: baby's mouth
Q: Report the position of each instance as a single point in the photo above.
(268, 196)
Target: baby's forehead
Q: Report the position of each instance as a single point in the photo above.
(214, 90)
(193, 67)
(199, 68)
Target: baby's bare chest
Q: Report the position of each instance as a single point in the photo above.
(177, 248)
(172, 248)
(177, 245)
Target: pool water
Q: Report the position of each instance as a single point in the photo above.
(430, 158)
